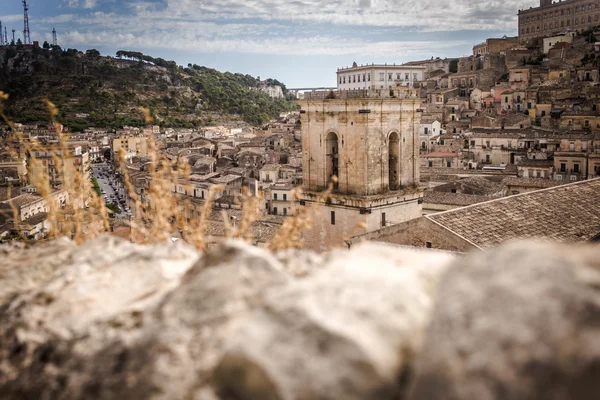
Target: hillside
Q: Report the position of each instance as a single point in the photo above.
(91, 90)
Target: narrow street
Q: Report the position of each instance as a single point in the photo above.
(112, 188)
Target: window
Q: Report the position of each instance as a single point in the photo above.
(398, 77)
(472, 143)
(390, 77)
(284, 197)
(333, 218)
(381, 77)
(275, 210)
(285, 211)
(430, 164)
(572, 146)
(369, 77)
(428, 245)
(274, 196)
(576, 168)
(449, 164)
(383, 224)
(344, 79)
(563, 167)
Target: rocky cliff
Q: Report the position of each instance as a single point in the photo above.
(114, 320)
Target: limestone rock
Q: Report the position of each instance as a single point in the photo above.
(349, 332)
(519, 322)
(300, 263)
(121, 321)
(22, 269)
(90, 296)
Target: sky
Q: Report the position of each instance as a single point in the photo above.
(299, 42)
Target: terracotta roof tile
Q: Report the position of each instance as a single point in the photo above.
(567, 213)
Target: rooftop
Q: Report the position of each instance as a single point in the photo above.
(271, 168)
(566, 214)
(23, 200)
(537, 183)
(453, 199)
(226, 179)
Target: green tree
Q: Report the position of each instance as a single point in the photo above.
(93, 53)
(107, 154)
(46, 45)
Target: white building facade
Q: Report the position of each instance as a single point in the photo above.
(379, 76)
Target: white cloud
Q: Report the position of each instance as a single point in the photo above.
(427, 15)
(11, 18)
(89, 4)
(329, 46)
(86, 4)
(286, 27)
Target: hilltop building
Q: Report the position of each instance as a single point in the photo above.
(552, 18)
(379, 76)
(369, 140)
(493, 45)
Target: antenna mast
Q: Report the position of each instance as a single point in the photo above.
(54, 40)
(26, 34)
(14, 36)
(1, 35)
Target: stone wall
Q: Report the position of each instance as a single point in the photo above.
(113, 320)
(361, 130)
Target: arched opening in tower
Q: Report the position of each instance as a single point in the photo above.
(394, 159)
(332, 152)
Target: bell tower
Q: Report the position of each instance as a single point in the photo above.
(369, 141)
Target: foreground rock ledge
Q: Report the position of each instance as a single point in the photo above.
(113, 320)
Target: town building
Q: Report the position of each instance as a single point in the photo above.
(495, 45)
(379, 76)
(134, 146)
(555, 17)
(365, 146)
(61, 165)
(552, 41)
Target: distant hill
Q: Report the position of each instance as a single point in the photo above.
(91, 90)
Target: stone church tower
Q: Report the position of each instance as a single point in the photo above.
(369, 140)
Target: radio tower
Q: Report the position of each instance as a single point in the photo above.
(54, 41)
(1, 34)
(26, 34)
(14, 36)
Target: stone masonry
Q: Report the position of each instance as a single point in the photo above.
(369, 140)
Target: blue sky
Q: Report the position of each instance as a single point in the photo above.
(299, 42)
